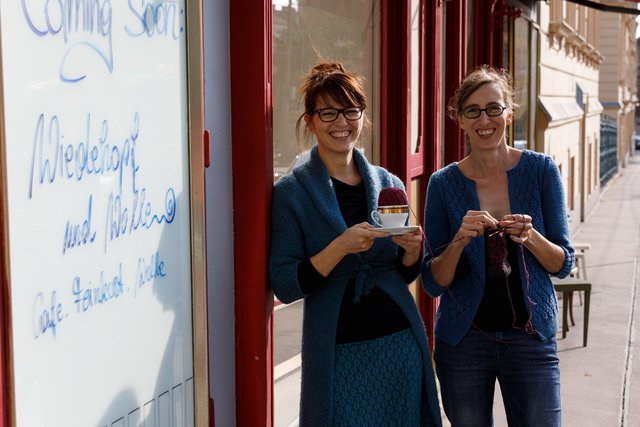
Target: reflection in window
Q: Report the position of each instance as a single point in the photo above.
(533, 89)
(305, 31)
(520, 72)
(415, 74)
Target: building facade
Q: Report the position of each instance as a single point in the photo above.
(618, 78)
(569, 129)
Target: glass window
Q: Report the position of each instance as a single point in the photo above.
(304, 31)
(415, 74)
(521, 64)
(533, 88)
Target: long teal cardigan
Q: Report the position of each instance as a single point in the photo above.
(535, 189)
(305, 219)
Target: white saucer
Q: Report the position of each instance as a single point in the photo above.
(397, 231)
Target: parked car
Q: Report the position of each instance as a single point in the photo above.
(636, 140)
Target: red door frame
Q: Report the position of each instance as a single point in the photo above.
(395, 66)
(432, 107)
(6, 380)
(488, 37)
(395, 124)
(456, 69)
(252, 163)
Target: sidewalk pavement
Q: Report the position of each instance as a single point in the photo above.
(600, 383)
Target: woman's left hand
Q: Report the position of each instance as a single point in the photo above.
(517, 226)
(412, 245)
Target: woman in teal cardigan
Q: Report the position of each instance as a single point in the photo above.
(365, 356)
(496, 228)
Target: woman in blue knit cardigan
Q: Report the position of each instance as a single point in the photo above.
(365, 357)
(496, 228)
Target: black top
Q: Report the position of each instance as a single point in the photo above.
(376, 314)
(502, 307)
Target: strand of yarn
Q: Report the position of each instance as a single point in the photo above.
(529, 328)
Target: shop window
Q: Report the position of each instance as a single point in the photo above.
(415, 74)
(520, 57)
(589, 167)
(521, 72)
(304, 32)
(572, 174)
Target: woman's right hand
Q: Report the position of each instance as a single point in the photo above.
(355, 239)
(443, 267)
(359, 238)
(473, 225)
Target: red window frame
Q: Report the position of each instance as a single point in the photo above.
(252, 163)
(396, 145)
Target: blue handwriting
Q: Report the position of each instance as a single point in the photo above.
(107, 290)
(51, 159)
(159, 17)
(84, 24)
(46, 317)
(120, 221)
(147, 271)
(79, 234)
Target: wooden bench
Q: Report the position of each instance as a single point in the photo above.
(567, 286)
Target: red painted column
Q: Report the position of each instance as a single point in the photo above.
(252, 154)
(455, 71)
(433, 123)
(395, 69)
(5, 356)
(6, 379)
(487, 35)
(396, 148)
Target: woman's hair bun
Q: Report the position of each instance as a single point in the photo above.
(326, 67)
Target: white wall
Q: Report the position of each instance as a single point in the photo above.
(219, 204)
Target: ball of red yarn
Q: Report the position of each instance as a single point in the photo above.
(392, 197)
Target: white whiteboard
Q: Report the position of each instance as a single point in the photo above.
(97, 163)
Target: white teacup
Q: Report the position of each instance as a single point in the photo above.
(390, 216)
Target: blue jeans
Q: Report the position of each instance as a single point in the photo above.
(526, 367)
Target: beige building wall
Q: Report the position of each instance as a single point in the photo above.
(616, 41)
(569, 125)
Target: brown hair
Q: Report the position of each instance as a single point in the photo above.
(481, 76)
(330, 81)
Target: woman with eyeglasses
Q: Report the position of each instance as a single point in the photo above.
(365, 357)
(496, 228)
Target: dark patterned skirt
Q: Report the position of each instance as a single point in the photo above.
(378, 382)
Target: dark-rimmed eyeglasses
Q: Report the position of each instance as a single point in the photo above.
(491, 110)
(331, 114)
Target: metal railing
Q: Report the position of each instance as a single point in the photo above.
(608, 148)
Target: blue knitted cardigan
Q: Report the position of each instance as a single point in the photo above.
(535, 189)
(305, 219)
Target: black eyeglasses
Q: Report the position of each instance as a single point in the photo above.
(331, 114)
(491, 110)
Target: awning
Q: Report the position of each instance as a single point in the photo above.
(595, 106)
(556, 109)
(606, 7)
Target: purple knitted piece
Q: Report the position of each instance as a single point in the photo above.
(496, 243)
